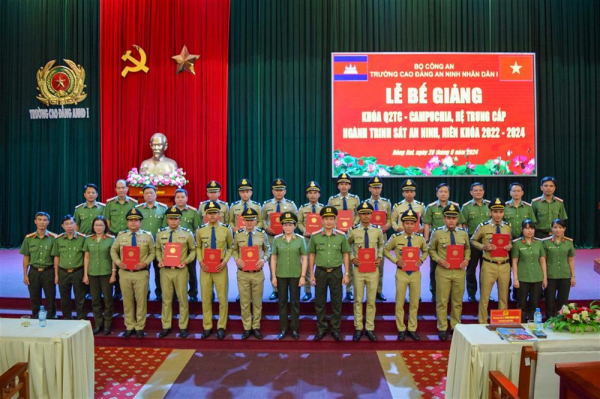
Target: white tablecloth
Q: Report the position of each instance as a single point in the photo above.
(60, 356)
(475, 351)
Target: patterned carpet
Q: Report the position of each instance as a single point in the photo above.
(158, 373)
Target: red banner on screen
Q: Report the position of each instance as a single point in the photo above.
(433, 114)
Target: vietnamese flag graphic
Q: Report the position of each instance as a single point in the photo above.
(190, 109)
(516, 67)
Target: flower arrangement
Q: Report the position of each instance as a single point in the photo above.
(574, 318)
(436, 166)
(140, 179)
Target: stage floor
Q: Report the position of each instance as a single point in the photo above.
(588, 281)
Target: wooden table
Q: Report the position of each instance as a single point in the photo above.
(579, 380)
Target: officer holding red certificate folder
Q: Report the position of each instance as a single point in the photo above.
(175, 249)
(215, 246)
(494, 239)
(133, 273)
(407, 250)
(449, 247)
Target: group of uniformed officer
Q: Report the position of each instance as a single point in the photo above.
(333, 255)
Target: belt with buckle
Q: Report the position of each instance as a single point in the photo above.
(327, 269)
(497, 262)
(41, 269)
(251, 271)
(135, 271)
(73, 270)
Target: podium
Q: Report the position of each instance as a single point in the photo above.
(164, 194)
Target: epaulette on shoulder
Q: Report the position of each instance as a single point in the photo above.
(417, 202)
(110, 235)
(140, 205)
(432, 204)
(202, 225)
(224, 224)
(298, 235)
(204, 202)
(397, 204)
(80, 205)
(463, 229)
(253, 202)
(222, 202)
(307, 204)
(376, 226)
(384, 199)
(546, 238)
(31, 234)
(53, 234)
(60, 235)
(164, 228)
(101, 203)
(340, 231)
(112, 199)
(192, 208)
(186, 229)
(559, 199)
(352, 195)
(290, 201)
(398, 234)
(160, 203)
(418, 234)
(239, 230)
(486, 222)
(315, 232)
(278, 235)
(466, 203)
(438, 228)
(121, 232)
(568, 239)
(145, 232)
(259, 230)
(535, 238)
(537, 199)
(77, 233)
(526, 203)
(334, 196)
(268, 201)
(505, 223)
(517, 239)
(236, 202)
(486, 201)
(356, 226)
(133, 199)
(454, 203)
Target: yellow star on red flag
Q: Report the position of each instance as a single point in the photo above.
(185, 61)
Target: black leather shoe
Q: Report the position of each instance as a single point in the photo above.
(206, 333)
(319, 336)
(414, 335)
(164, 332)
(237, 298)
(193, 299)
(443, 335)
(307, 297)
(96, 330)
(88, 297)
(357, 335)
(140, 334)
(401, 336)
(183, 333)
(295, 335)
(221, 333)
(472, 298)
(381, 297)
(107, 331)
(371, 335)
(246, 334)
(159, 297)
(492, 299)
(127, 333)
(349, 297)
(257, 333)
(273, 296)
(336, 335)
(281, 335)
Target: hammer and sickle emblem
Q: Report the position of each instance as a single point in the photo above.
(140, 65)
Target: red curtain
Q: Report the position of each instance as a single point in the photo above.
(191, 110)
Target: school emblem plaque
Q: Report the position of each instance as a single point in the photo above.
(61, 85)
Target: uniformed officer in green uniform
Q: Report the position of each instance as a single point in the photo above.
(276, 204)
(472, 214)
(289, 264)
(409, 192)
(365, 235)
(450, 282)
(547, 207)
(154, 213)
(517, 210)
(329, 261)
(380, 204)
(213, 192)
(99, 273)
(345, 201)
(37, 257)
(174, 278)
(433, 218)
(134, 283)
(68, 263)
(493, 268)
(560, 261)
(190, 219)
(251, 283)
(88, 210)
(313, 193)
(407, 279)
(115, 213)
(214, 235)
(529, 270)
(245, 188)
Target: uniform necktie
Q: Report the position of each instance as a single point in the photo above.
(345, 204)
(452, 239)
(376, 205)
(314, 209)
(278, 207)
(133, 240)
(245, 206)
(250, 239)
(171, 236)
(498, 229)
(409, 239)
(366, 237)
(213, 239)
(410, 206)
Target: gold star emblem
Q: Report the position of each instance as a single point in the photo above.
(408, 183)
(244, 181)
(451, 207)
(410, 213)
(328, 209)
(173, 209)
(133, 211)
(312, 184)
(497, 201)
(212, 184)
(376, 180)
(185, 61)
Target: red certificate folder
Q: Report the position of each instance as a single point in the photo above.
(500, 241)
(212, 259)
(276, 226)
(345, 220)
(367, 258)
(379, 218)
(206, 218)
(410, 256)
(250, 258)
(240, 222)
(314, 222)
(130, 256)
(455, 255)
(172, 254)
